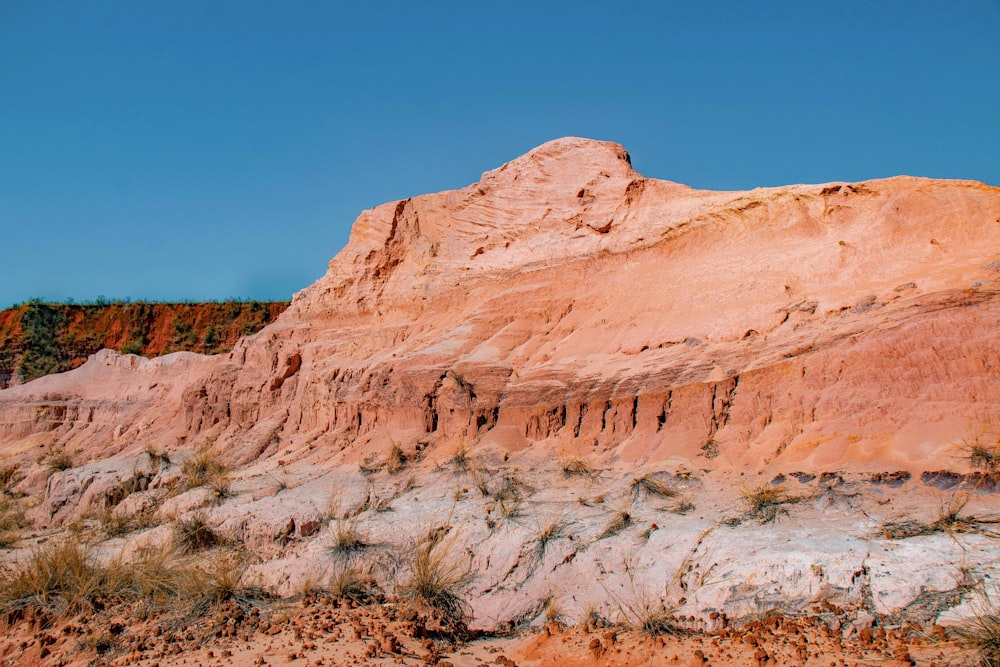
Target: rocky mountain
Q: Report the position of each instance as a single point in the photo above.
(627, 357)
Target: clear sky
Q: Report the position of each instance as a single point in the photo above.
(203, 149)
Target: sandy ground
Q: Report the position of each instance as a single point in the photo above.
(319, 631)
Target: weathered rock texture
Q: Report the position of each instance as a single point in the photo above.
(565, 305)
(565, 298)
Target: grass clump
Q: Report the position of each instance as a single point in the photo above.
(461, 462)
(620, 520)
(396, 460)
(510, 486)
(981, 633)
(58, 460)
(644, 614)
(984, 456)
(949, 520)
(482, 480)
(577, 467)
(334, 508)
(508, 495)
(347, 538)
(160, 575)
(437, 581)
(10, 475)
(206, 468)
(648, 485)
(549, 532)
(510, 508)
(765, 502)
(219, 579)
(657, 620)
(203, 466)
(116, 523)
(67, 577)
(350, 583)
(62, 575)
(683, 507)
(193, 533)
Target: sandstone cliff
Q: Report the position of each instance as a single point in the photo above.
(566, 308)
(566, 299)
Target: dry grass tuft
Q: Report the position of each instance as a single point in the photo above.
(66, 577)
(647, 615)
(117, 523)
(508, 495)
(160, 575)
(591, 617)
(981, 633)
(577, 467)
(10, 475)
(396, 460)
(764, 502)
(58, 460)
(620, 520)
(510, 508)
(219, 579)
(949, 515)
(548, 533)
(683, 507)
(482, 479)
(206, 468)
(983, 456)
(61, 575)
(657, 620)
(12, 520)
(648, 485)
(334, 505)
(193, 533)
(461, 461)
(351, 583)
(347, 538)
(438, 581)
(554, 612)
(949, 520)
(510, 486)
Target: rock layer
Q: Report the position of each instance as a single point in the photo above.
(564, 299)
(565, 307)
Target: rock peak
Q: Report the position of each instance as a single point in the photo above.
(576, 147)
(564, 156)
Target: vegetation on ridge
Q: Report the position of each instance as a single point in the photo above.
(39, 338)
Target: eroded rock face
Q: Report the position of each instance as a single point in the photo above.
(566, 299)
(565, 305)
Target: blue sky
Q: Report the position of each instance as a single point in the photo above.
(182, 149)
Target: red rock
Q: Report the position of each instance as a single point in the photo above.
(821, 275)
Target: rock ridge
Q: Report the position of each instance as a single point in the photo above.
(572, 333)
(570, 297)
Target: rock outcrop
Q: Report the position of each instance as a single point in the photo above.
(564, 299)
(567, 306)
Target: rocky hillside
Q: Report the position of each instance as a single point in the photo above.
(589, 389)
(37, 338)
